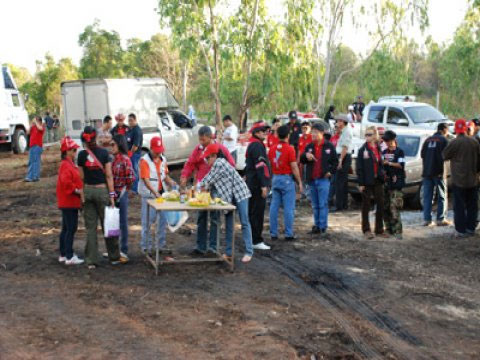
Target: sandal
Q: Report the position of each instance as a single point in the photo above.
(168, 258)
(246, 259)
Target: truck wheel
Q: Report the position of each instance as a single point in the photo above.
(19, 141)
(417, 200)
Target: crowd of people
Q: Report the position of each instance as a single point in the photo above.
(281, 160)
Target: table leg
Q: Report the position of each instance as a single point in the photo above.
(232, 264)
(219, 222)
(156, 244)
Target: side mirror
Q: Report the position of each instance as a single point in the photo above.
(402, 122)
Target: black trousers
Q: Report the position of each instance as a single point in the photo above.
(465, 208)
(69, 228)
(256, 211)
(341, 184)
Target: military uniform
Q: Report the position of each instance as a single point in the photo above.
(395, 181)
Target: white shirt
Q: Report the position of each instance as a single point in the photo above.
(230, 132)
(346, 139)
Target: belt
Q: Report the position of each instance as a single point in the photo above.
(97, 186)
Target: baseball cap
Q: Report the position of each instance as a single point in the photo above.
(259, 126)
(211, 149)
(68, 144)
(460, 126)
(343, 118)
(156, 145)
(292, 115)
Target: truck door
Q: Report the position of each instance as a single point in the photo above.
(167, 131)
(396, 119)
(376, 117)
(185, 136)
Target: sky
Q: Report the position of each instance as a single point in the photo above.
(31, 28)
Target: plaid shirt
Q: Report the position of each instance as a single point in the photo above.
(227, 182)
(123, 175)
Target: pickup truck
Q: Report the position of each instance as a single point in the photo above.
(411, 144)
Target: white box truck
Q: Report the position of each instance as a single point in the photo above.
(14, 123)
(87, 102)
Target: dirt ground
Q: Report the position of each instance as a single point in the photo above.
(339, 297)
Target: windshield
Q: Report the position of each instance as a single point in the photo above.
(424, 114)
(409, 144)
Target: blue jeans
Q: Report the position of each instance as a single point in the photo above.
(160, 233)
(69, 228)
(428, 185)
(34, 163)
(202, 231)
(319, 190)
(242, 209)
(135, 160)
(283, 194)
(123, 205)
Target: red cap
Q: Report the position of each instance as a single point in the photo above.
(259, 126)
(211, 149)
(68, 144)
(156, 145)
(460, 126)
(119, 117)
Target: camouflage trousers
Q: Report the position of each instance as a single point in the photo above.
(393, 203)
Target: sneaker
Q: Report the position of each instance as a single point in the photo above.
(105, 255)
(274, 238)
(124, 255)
(290, 238)
(368, 235)
(35, 180)
(27, 180)
(62, 259)
(196, 253)
(261, 246)
(315, 230)
(246, 259)
(429, 223)
(211, 253)
(75, 260)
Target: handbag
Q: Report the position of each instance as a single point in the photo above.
(111, 222)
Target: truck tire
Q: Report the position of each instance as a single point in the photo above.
(417, 200)
(19, 141)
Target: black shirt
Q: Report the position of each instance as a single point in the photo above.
(295, 132)
(135, 137)
(395, 177)
(94, 175)
(432, 155)
(257, 168)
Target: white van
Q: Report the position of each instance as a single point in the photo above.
(87, 102)
(14, 123)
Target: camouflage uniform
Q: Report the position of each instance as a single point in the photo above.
(393, 203)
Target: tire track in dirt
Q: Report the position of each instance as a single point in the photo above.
(339, 300)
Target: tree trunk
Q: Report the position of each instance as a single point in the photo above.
(184, 88)
(218, 106)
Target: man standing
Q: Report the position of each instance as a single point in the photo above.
(272, 138)
(37, 129)
(284, 167)
(344, 149)
(230, 136)
(434, 176)
(135, 141)
(104, 136)
(294, 129)
(358, 107)
(464, 155)
(56, 126)
(196, 165)
(257, 173)
(120, 128)
(191, 115)
(49, 122)
(321, 162)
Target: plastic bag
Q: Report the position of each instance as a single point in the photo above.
(111, 223)
(175, 219)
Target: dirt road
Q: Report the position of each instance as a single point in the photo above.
(339, 297)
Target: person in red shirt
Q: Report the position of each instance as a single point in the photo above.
(304, 139)
(69, 200)
(120, 128)
(37, 129)
(283, 160)
(196, 165)
(272, 138)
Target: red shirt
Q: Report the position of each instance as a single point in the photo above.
(376, 155)
(334, 139)
(122, 170)
(303, 141)
(122, 130)
(317, 166)
(280, 157)
(36, 136)
(272, 140)
(68, 181)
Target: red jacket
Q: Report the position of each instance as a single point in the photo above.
(197, 164)
(68, 181)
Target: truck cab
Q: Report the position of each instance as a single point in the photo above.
(14, 123)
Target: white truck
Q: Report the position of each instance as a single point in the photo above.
(14, 124)
(87, 102)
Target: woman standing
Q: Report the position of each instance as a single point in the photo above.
(69, 200)
(371, 177)
(123, 178)
(96, 171)
(232, 189)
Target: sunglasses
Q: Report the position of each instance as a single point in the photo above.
(369, 134)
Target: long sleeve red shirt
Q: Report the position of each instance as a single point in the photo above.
(197, 164)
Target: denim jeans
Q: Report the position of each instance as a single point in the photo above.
(160, 233)
(202, 230)
(34, 162)
(69, 228)
(135, 160)
(465, 209)
(242, 209)
(123, 205)
(283, 194)
(442, 206)
(319, 190)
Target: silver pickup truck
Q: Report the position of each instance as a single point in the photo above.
(412, 145)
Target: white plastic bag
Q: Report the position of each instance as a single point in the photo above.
(175, 219)
(111, 224)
